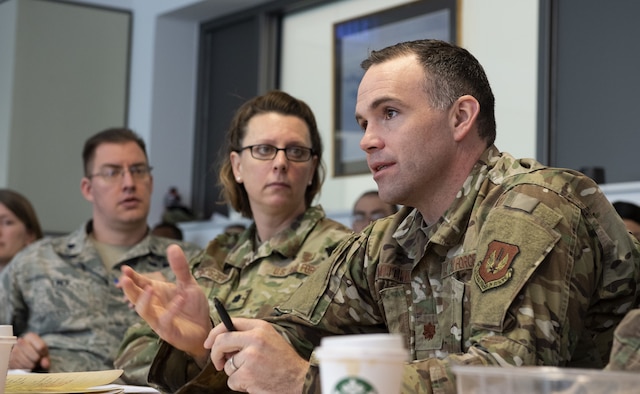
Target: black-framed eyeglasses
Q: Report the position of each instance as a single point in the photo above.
(269, 152)
(138, 172)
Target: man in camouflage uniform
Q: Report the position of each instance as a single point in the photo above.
(493, 260)
(60, 293)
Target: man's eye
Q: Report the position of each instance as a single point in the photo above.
(390, 113)
(110, 172)
(136, 170)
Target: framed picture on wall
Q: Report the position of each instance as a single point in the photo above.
(353, 40)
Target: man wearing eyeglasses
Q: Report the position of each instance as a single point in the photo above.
(61, 294)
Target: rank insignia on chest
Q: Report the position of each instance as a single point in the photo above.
(495, 269)
(429, 331)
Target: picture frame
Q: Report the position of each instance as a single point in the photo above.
(353, 40)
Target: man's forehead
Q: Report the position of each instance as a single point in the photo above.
(382, 82)
(109, 152)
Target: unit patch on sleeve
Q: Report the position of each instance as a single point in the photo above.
(495, 269)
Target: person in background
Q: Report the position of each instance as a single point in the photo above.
(271, 173)
(175, 210)
(368, 208)
(630, 214)
(167, 230)
(60, 293)
(625, 353)
(19, 225)
(492, 260)
(172, 198)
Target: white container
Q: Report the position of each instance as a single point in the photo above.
(7, 340)
(368, 363)
(543, 380)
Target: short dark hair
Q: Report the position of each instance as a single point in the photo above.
(22, 208)
(173, 228)
(116, 135)
(628, 210)
(374, 193)
(274, 101)
(450, 72)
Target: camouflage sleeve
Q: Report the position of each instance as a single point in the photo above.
(173, 371)
(13, 310)
(625, 354)
(137, 351)
(314, 312)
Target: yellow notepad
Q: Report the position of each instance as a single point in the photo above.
(66, 382)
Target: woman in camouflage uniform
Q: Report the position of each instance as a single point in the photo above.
(271, 173)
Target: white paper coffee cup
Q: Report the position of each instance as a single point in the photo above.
(7, 340)
(368, 363)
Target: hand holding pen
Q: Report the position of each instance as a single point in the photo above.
(224, 315)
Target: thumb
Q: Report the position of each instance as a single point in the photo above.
(45, 363)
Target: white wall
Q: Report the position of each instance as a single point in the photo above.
(8, 18)
(67, 81)
(502, 34)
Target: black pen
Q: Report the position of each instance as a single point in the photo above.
(224, 315)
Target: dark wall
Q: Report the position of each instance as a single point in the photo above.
(593, 84)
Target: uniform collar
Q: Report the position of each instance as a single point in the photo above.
(413, 234)
(78, 241)
(286, 243)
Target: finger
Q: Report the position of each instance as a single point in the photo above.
(143, 307)
(18, 358)
(179, 266)
(232, 364)
(132, 283)
(45, 363)
(213, 334)
(226, 344)
(35, 342)
(27, 351)
(131, 290)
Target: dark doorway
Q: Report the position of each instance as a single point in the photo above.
(589, 82)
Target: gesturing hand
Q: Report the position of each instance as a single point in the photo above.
(178, 313)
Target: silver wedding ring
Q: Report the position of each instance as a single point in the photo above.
(235, 368)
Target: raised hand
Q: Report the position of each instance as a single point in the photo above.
(177, 312)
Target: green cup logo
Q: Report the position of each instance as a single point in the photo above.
(354, 385)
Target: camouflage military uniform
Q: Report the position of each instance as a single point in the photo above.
(625, 354)
(250, 283)
(528, 266)
(59, 289)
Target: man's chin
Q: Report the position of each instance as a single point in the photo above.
(133, 217)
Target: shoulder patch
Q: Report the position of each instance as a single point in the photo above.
(495, 269)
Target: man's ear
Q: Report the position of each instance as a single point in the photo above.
(85, 188)
(464, 113)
